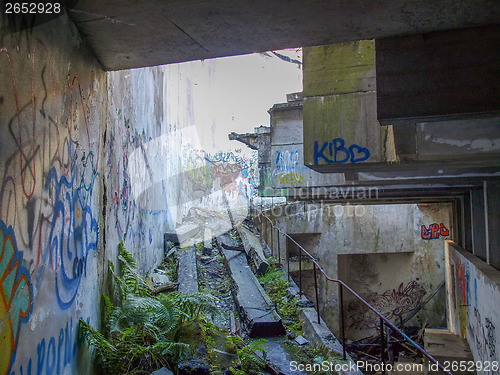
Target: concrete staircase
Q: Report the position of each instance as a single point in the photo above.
(447, 347)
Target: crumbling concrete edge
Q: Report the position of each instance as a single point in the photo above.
(319, 334)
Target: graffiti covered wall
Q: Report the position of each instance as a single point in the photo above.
(471, 286)
(52, 113)
(377, 250)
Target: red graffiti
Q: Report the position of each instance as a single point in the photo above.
(434, 231)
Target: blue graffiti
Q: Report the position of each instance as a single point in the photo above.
(74, 231)
(52, 355)
(337, 153)
(286, 161)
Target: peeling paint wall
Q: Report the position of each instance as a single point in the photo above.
(472, 288)
(378, 250)
(52, 117)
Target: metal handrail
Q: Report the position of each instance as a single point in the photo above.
(383, 319)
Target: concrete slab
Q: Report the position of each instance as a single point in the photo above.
(255, 307)
(187, 273)
(253, 248)
(447, 347)
(281, 356)
(182, 233)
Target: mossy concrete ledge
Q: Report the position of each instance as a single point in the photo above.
(320, 334)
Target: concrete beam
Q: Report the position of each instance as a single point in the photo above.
(438, 76)
(131, 34)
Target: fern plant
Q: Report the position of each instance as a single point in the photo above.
(141, 331)
(251, 363)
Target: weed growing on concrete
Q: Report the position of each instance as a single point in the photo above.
(276, 286)
(251, 362)
(142, 331)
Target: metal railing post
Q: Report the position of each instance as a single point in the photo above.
(279, 250)
(317, 298)
(272, 244)
(300, 272)
(342, 321)
(382, 342)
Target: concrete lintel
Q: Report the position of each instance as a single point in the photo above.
(188, 271)
(182, 233)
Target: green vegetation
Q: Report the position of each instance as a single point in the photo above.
(142, 332)
(170, 265)
(251, 363)
(276, 285)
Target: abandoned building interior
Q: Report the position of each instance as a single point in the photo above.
(376, 189)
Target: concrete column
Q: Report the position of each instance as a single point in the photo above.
(492, 218)
(478, 224)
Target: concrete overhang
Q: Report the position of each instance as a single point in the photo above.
(130, 34)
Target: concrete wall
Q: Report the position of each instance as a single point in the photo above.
(473, 292)
(287, 152)
(52, 121)
(392, 255)
(341, 130)
(89, 159)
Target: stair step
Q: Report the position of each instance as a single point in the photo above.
(445, 346)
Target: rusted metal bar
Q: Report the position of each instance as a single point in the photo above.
(342, 320)
(382, 343)
(300, 272)
(317, 298)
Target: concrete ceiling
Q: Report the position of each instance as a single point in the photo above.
(137, 33)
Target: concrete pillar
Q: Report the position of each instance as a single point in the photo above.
(478, 223)
(492, 218)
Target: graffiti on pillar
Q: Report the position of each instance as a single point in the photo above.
(336, 152)
(462, 294)
(129, 213)
(434, 231)
(15, 296)
(290, 179)
(393, 304)
(287, 168)
(237, 172)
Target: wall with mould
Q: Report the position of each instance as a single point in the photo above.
(52, 121)
(472, 286)
(392, 255)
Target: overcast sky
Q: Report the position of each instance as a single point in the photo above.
(233, 93)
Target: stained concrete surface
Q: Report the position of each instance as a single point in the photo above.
(130, 34)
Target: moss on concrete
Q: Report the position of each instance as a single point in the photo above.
(340, 68)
